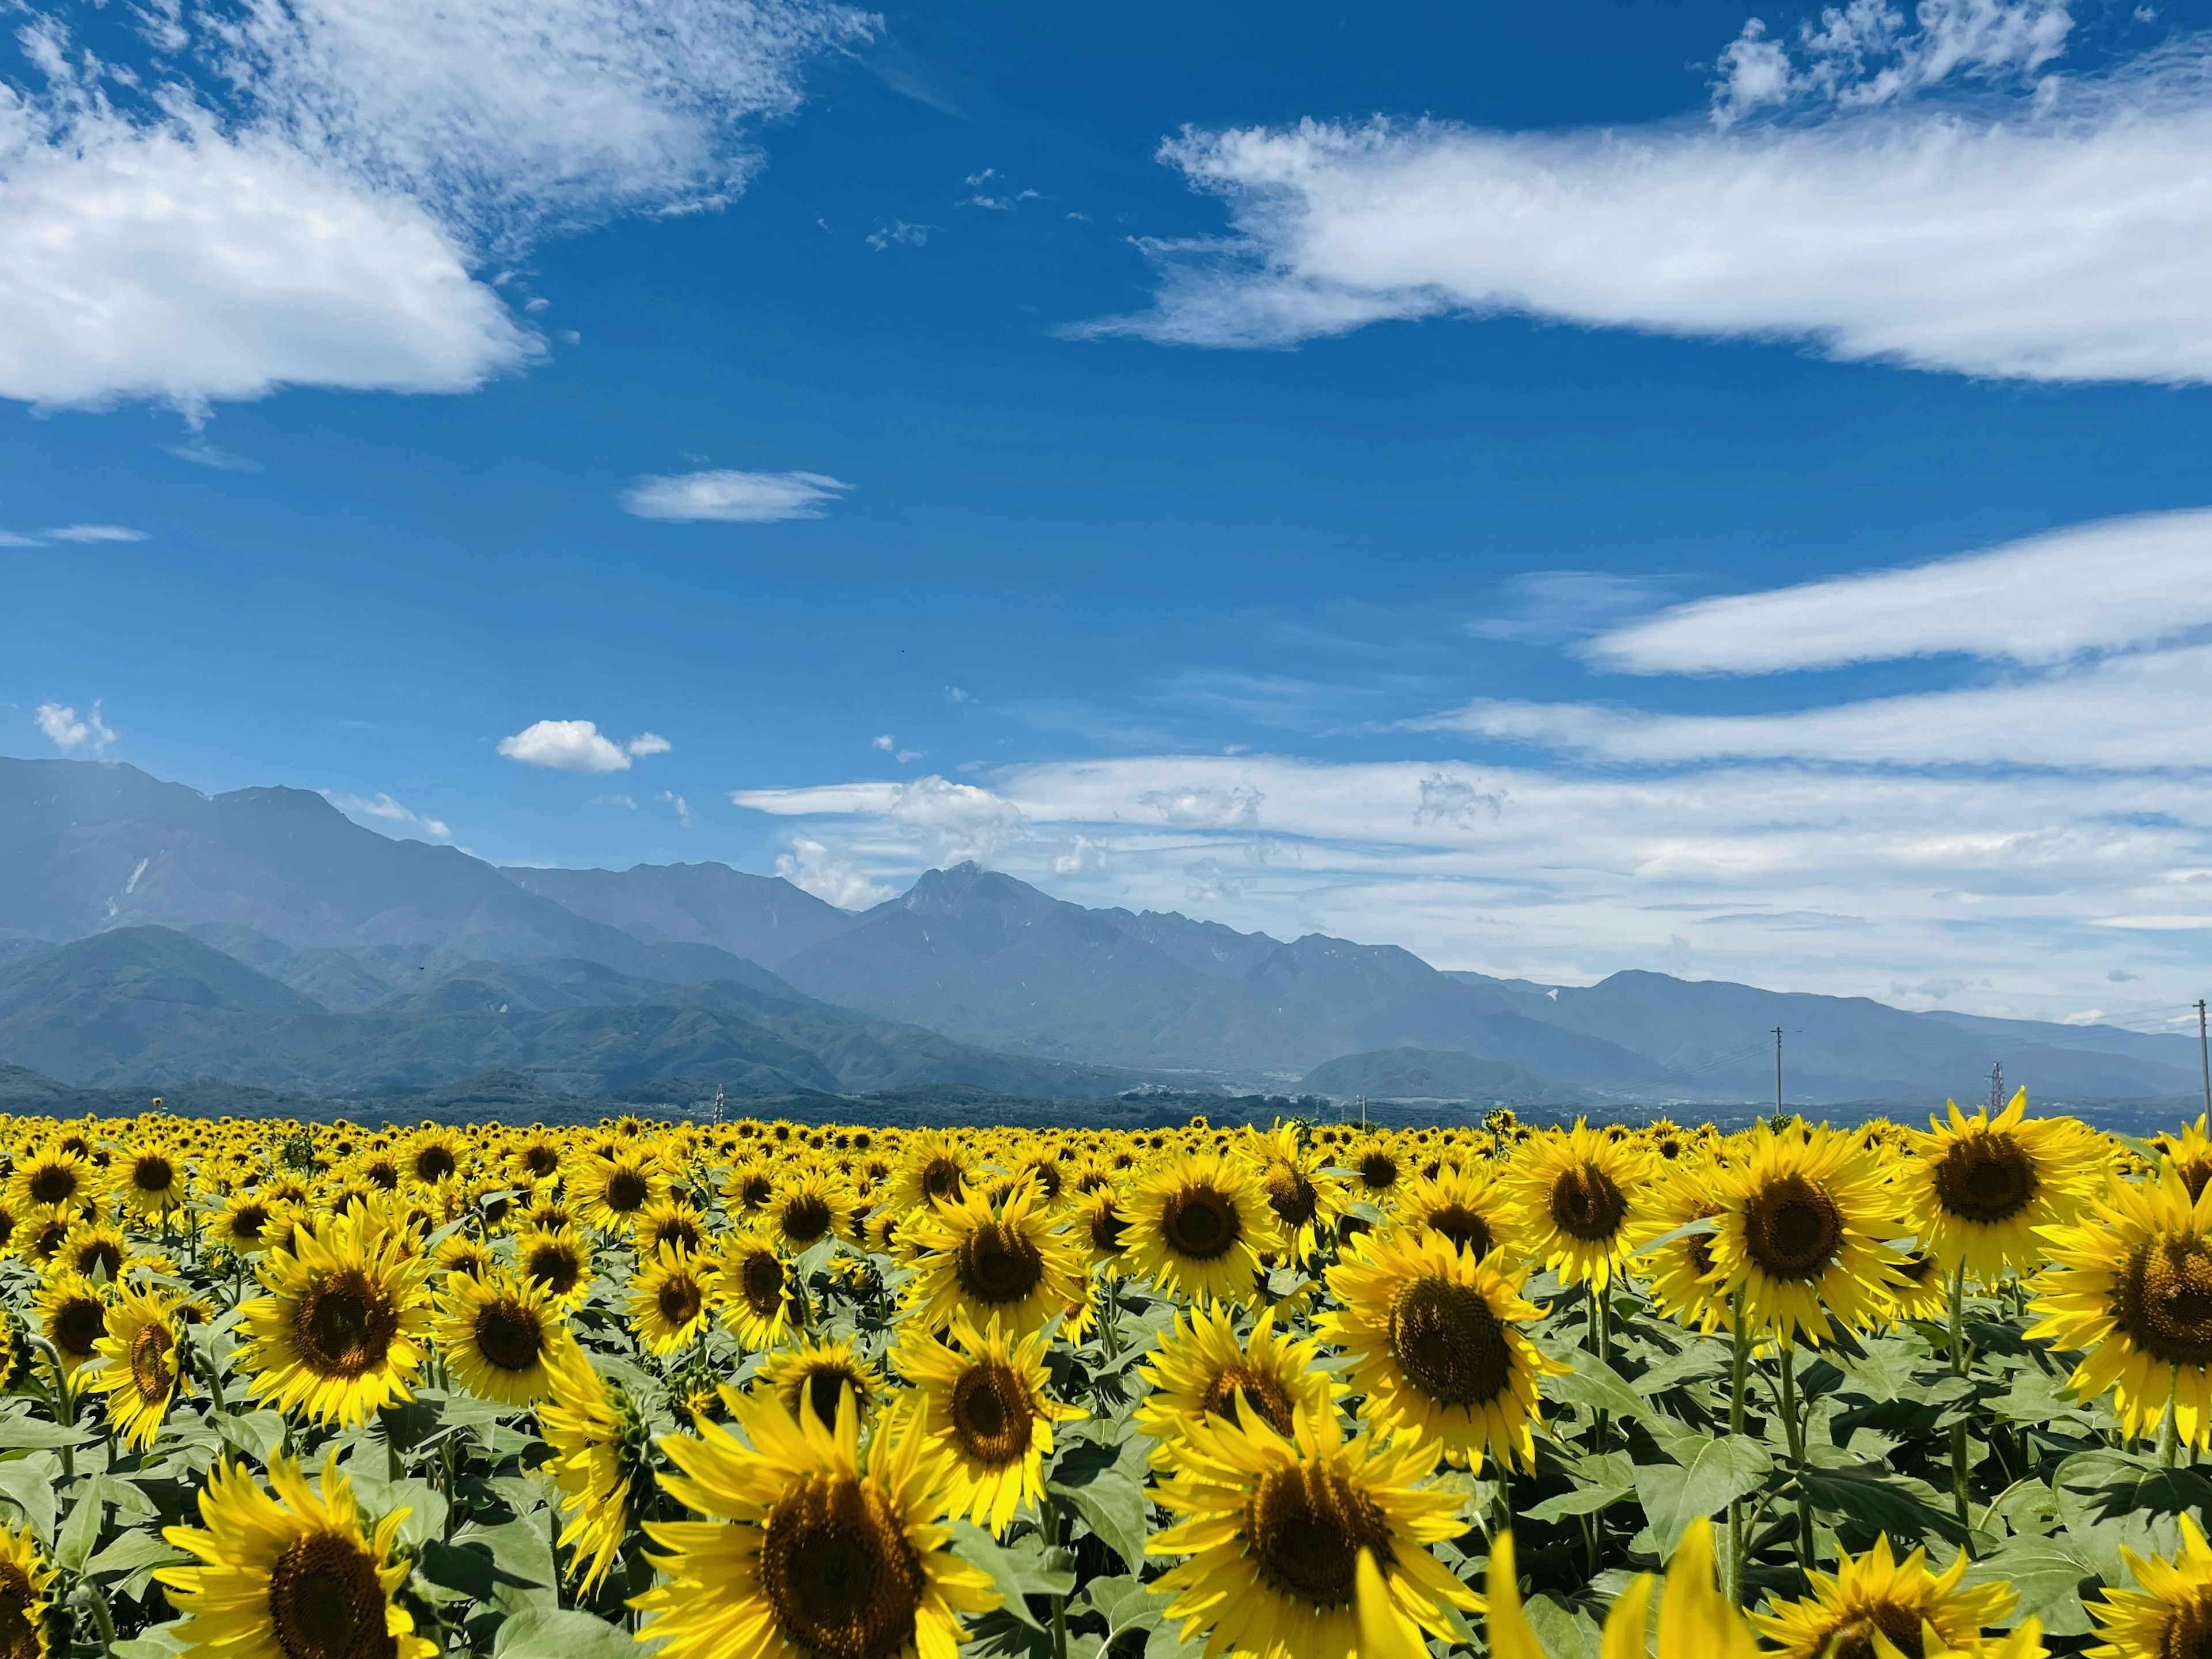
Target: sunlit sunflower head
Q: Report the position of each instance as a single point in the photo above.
(50, 1178)
(986, 1399)
(1271, 1531)
(1581, 1201)
(806, 1548)
(140, 1366)
(1198, 1225)
(1804, 1217)
(1014, 1260)
(609, 1190)
(2129, 1287)
(1305, 1192)
(339, 1334)
(151, 1179)
(1476, 1212)
(756, 1287)
(1438, 1346)
(1205, 1366)
(748, 1185)
(934, 1168)
(433, 1157)
(465, 1257)
(805, 1208)
(291, 1572)
(671, 1221)
(1878, 1594)
(599, 1463)
(1919, 1293)
(501, 1335)
(2170, 1615)
(248, 1221)
(1376, 1168)
(810, 1379)
(25, 1578)
(1976, 1188)
(72, 1314)
(557, 1260)
(1683, 1284)
(96, 1248)
(1100, 1227)
(670, 1298)
(534, 1160)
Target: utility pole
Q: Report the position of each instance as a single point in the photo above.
(2204, 1055)
(718, 1105)
(1778, 1071)
(1996, 1087)
(1363, 1111)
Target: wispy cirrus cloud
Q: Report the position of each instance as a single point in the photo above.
(724, 496)
(382, 809)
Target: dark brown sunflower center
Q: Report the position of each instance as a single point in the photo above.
(326, 1601)
(943, 1178)
(19, 1636)
(2188, 1632)
(80, 1322)
(1107, 1227)
(1263, 1393)
(434, 1164)
(153, 1175)
(1201, 1221)
(1792, 1228)
(997, 1263)
(248, 1222)
(2163, 1301)
(1449, 1342)
(1587, 1204)
(151, 1373)
(385, 1173)
(1464, 1226)
(556, 1266)
(627, 1190)
(345, 1325)
(823, 1387)
(1291, 1196)
(510, 1335)
(762, 1282)
(1917, 1268)
(55, 1183)
(1046, 1174)
(679, 1230)
(678, 1299)
(805, 1219)
(2195, 1173)
(992, 1414)
(836, 1567)
(541, 1161)
(1306, 1526)
(1377, 1170)
(95, 1254)
(1853, 1638)
(1986, 1177)
(754, 1190)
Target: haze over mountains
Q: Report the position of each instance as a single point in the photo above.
(152, 935)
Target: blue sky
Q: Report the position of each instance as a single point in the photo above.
(1280, 463)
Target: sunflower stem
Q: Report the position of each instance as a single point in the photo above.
(1739, 1332)
(1794, 1430)
(1601, 1332)
(1959, 1482)
(102, 1614)
(2169, 1427)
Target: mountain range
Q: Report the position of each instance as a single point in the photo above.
(152, 935)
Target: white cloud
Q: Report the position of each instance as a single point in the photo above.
(385, 809)
(883, 743)
(95, 532)
(577, 746)
(811, 867)
(316, 207)
(948, 822)
(1081, 856)
(625, 801)
(900, 232)
(953, 694)
(1212, 808)
(683, 807)
(727, 497)
(2066, 236)
(2096, 586)
(1543, 607)
(13, 539)
(68, 731)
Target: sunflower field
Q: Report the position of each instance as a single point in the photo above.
(277, 1390)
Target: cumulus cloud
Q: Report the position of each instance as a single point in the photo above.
(311, 193)
(577, 746)
(2064, 234)
(2117, 583)
(812, 868)
(1080, 856)
(385, 809)
(1213, 808)
(727, 497)
(68, 731)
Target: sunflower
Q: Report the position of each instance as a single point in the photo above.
(1101, 1227)
(597, 1457)
(1476, 1215)
(1198, 1223)
(534, 1160)
(1878, 1593)
(72, 1314)
(139, 1376)
(1696, 1619)
(806, 1208)
(465, 1257)
(1922, 1294)
(936, 1169)
(1013, 1261)
(433, 1156)
(556, 1259)
(2131, 1287)
(1581, 1198)
(153, 1180)
(502, 1335)
(670, 1298)
(50, 1178)
(24, 1579)
(1378, 1171)
(808, 1548)
(2171, 1616)
(757, 1289)
(748, 1185)
(1204, 1367)
(96, 1248)
(669, 1221)
(1682, 1284)
(1437, 1345)
(810, 1379)
(986, 1398)
(1981, 1187)
(248, 1222)
(609, 1190)
(1305, 1194)
(339, 1334)
(1272, 1530)
(1804, 1215)
(288, 1573)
